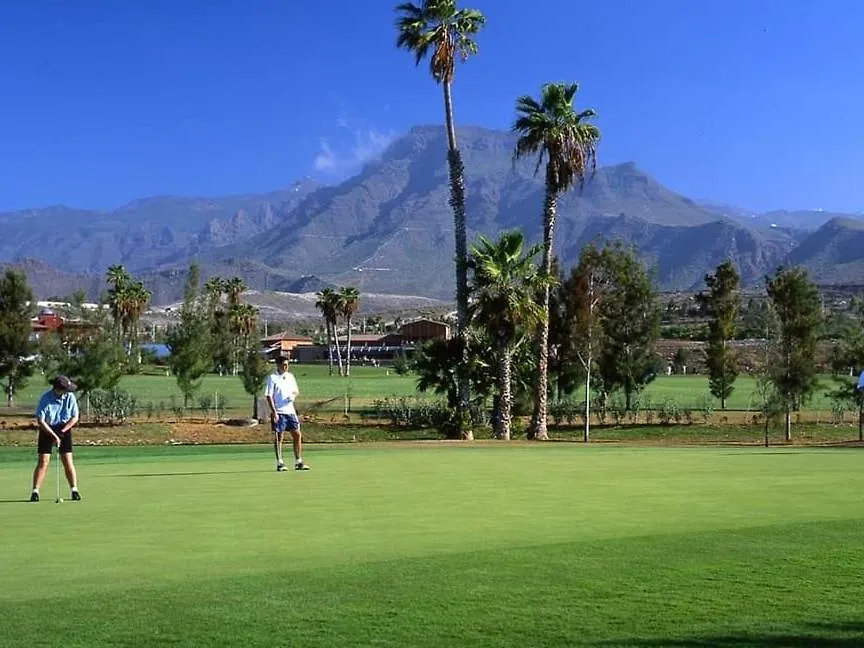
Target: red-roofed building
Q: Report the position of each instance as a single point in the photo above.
(284, 343)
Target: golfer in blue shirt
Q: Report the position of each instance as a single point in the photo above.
(56, 415)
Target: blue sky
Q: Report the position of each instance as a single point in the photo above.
(750, 102)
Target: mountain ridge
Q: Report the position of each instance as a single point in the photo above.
(389, 228)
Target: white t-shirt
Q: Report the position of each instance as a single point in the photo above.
(283, 389)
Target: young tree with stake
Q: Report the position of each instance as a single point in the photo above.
(792, 368)
(721, 303)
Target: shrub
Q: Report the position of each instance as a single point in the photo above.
(668, 412)
(112, 406)
(416, 413)
(706, 408)
(618, 408)
(401, 363)
(838, 410)
(205, 403)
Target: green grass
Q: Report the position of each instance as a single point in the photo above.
(368, 383)
(364, 385)
(436, 545)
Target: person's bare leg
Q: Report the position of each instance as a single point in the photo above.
(69, 467)
(297, 442)
(277, 447)
(41, 470)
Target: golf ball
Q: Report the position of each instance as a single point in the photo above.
(60, 499)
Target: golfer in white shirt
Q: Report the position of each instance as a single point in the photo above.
(281, 391)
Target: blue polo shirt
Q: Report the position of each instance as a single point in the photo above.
(56, 410)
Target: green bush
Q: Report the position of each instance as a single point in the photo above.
(417, 413)
(668, 412)
(401, 363)
(112, 406)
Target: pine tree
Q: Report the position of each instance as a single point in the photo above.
(16, 310)
(792, 364)
(721, 303)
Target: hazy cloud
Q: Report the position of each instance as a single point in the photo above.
(368, 144)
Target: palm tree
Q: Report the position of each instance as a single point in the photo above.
(117, 299)
(439, 27)
(505, 282)
(556, 133)
(234, 287)
(349, 301)
(137, 299)
(214, 288)
(242, 322)
(327, 303)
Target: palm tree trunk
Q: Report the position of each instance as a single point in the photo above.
(348, 348)
(538, 420)
(457, 203)
(329, 347)
(338, 350)
(505, 403)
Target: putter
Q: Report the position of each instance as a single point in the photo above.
(59, 499)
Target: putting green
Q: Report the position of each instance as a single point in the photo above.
(426, 545)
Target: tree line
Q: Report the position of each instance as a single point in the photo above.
(215, 332)
(608, 311)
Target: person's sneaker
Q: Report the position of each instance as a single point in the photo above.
(76, 496)
(281, 468)
(301, 466)
(34, 497)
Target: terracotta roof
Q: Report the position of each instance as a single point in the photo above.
(286, 336)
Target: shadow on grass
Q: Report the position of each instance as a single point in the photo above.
(813, 635)
(15, 501)
(191, 474)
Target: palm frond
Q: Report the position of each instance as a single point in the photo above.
(551, 128)
(437, 26)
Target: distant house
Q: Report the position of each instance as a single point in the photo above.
(47, 322)
(373, 348)
(422, 330)
(284, 344)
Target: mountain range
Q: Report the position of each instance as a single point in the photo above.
(389, 229)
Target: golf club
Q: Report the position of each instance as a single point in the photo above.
(59, 499)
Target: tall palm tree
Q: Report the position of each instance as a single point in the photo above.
(137, 298)
(553, 130)
(349, 302)
(234, 287)
(117, 299)
(440, 29)
(327, 303)
(214, 288)
(242, 323)
(504, 284)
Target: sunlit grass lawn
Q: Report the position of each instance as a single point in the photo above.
(327, 393)
(418, 545)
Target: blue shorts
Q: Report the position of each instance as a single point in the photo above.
(286, 423)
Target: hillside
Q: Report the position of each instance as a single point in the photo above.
(834, 253)
(144, 234)
(393, 220)
(389, 229)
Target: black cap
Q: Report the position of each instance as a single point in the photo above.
(64, 384)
